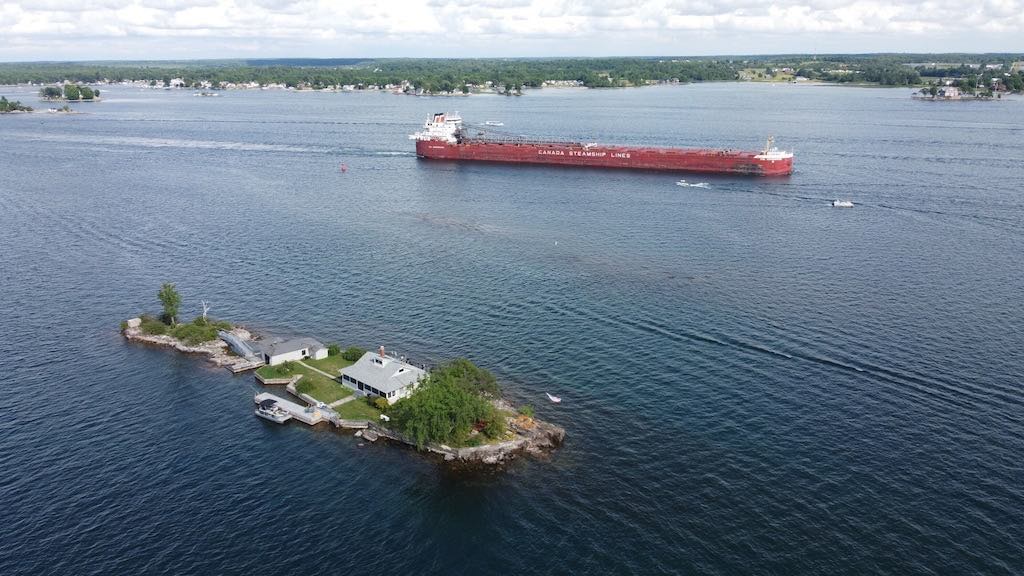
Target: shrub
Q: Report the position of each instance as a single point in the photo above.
(288, 365)
(381, 404)
(333, 349)
(467, 375)
(152, 326)
(124, 325)
(495, 425)
(526, 410)
(198, 331)
(353, 353)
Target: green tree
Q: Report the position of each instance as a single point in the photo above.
(353, 353)
(50, 92)
(71, 92)
(87, 93)
(171, 300)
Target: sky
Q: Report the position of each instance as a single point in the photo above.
(32, 30)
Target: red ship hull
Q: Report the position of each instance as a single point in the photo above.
(567, 154)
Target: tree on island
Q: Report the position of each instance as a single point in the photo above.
(171, 300)
(449, 405)
(71, 92)
(50, 92)
(12, 106)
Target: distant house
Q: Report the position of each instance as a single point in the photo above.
(949, 93)
(378, 374)
(297, 349)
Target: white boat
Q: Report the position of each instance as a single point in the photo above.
(554, 399)
(269, 410)
(686, 184)
(494, 123)
(842, 204)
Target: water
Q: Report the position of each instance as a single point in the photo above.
(752, 381)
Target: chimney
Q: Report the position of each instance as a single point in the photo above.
(381, 351)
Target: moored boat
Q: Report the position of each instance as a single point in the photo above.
(269, 410)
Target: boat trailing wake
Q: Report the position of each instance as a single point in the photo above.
(686, 184)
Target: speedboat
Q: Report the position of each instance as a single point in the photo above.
(554, 399)
(494, 123)
(686, 184)
(842, 204)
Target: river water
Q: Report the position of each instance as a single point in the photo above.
(752, 380)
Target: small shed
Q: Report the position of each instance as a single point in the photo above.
(295, 349)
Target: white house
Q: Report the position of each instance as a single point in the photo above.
(297, 349)
(378, 374)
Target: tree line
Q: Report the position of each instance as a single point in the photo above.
(511, 74)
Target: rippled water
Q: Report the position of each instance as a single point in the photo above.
(753, 381)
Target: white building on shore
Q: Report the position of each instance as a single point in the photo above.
(379, 374)
(296, 349)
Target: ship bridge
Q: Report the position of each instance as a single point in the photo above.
(440, 127)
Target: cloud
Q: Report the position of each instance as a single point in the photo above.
(51, 29)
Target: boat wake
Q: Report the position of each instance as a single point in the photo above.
(686, 184)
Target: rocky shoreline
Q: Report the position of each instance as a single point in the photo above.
(533, 437)
(217, 350)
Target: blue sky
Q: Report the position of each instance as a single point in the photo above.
(175, 29)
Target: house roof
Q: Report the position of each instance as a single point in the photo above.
(384, 373)
(294, 345)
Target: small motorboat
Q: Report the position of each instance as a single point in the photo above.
(842, 204)
(494, 123)
(554, 399)
(686, 184)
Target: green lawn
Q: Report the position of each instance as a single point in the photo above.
(313, 383)
(278, 371)
(358, 409)
(332, 364)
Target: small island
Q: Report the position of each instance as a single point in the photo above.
(455, 410)
(70, 93)
(8, 106)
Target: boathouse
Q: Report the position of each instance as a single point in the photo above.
(296, 349)
(378, 374)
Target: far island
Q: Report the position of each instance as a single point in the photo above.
(69, 93)
(454, 409)
(8, 106)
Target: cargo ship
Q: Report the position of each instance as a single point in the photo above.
(444, 137)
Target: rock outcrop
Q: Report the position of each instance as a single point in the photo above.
(217, 350)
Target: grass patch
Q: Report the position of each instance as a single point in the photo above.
(358, 409)
(313, 383)
(192, 333)
(153, 326)
(199, 331)
(332, 364)
(279, 371)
